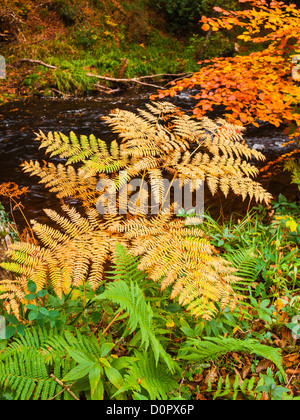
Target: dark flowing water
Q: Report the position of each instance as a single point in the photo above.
(20, 121)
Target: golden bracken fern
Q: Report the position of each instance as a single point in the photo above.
(159, 143)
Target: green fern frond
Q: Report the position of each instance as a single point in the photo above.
(293, 166)
(231, 388)
(131, 299)
(146, 374)
(25, 367)
(214, 347)
(245, 261)
(126, 293)
(125, 266)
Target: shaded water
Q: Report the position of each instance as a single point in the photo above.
(19, 122)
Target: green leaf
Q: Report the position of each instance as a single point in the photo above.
(41, 293)
(213, 347)
(279, 391)
(188, 331)
(53, 314)
(97, 388)
(33, 315)
(9, 331)
(114, 376)
(139, 397)
(32, 287)
(77, 372)
(104, 361)
(96, 316)
(21, 329)
(31, 307)
(44, 311)
(106, 348)
(263, 388)
(81, 357)
(265, 303)
(173, 308)
(12, 319)
(29, 297)
(123, 362)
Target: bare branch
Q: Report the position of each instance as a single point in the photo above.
(66, 388)
(41, 63)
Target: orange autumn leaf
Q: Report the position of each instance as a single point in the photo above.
(259, 86)
(205, 27)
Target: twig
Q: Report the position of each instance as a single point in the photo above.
(66, 388)
(29, 60)
(179, 78)
(17, 205)
(65, 95)
(153, 76)
(43, 4)
(208, 35)
(293, 375)
(115, 318)
(106, 89)
(113, 79)
(59, 393)
(186, 369)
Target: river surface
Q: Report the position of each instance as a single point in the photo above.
(19, 121)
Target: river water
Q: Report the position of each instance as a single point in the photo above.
(19, 121)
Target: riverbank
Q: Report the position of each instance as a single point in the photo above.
(118, 39)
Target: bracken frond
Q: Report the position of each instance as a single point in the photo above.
(161, 145)
(160, 141)
(179, 256)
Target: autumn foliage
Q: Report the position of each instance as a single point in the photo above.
(261, 86)
(12, 190)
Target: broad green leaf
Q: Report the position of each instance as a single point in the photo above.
(106, 348)
(123, 362)
(77, 372)
(41, 293)
(31, 307)
(173, 308)
(32, 287)
(33, 315)
(104, 361)
(12, 319)
(81, 357)
(21, 329)
(29, 297)
(97, 388)
(53, 314)
(9, 331)
(114, 376)
(139, 397)
(43, 311)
